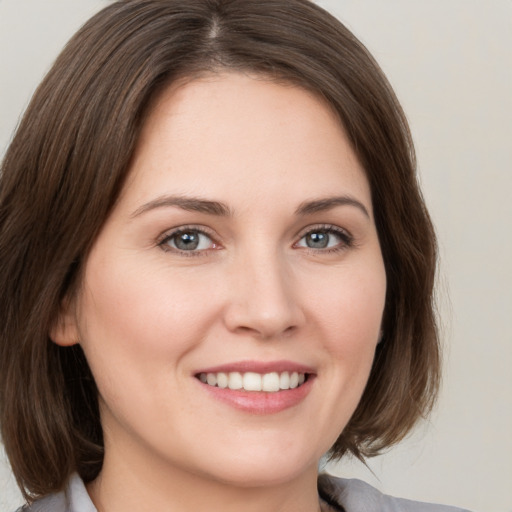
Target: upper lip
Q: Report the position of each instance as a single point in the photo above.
(261, 367)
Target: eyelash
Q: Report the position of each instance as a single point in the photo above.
(347, 240)
(167, 237)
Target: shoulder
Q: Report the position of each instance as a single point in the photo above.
(73, 499)
(341, 494)
(53, 503)
(356, 495)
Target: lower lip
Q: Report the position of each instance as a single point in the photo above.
(261, 402)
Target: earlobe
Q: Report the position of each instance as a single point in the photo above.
(64, 331)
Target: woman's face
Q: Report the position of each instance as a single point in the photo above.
(243, 251)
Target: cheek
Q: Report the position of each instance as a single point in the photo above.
(351, 322)
(354, 305)
(131, 316)
(137, 326)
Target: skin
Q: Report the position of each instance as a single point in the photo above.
(149, 316)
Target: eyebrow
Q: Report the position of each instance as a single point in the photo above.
(324, 204)
(193, 204)
(197, 204)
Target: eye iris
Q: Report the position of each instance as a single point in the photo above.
(187, 241)
(317, 240)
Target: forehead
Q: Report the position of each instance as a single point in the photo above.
(230, 132)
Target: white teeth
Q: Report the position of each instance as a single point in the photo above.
(222, 380)
(284, 380)
(251, 381)
(235, 381)
(270, 382)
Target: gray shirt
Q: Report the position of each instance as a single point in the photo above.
(336, 494)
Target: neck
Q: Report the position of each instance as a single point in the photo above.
(136, 485)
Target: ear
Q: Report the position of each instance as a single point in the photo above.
(64, 330)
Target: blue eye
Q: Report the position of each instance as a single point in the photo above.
(325, 238)
(188, 240)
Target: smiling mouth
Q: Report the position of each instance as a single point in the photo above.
(250, 381)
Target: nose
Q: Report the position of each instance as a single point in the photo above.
(263, 297)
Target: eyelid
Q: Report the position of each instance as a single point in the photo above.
(169, 233)
(324, 227)
(345, 235)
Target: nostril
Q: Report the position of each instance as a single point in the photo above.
(264, 307)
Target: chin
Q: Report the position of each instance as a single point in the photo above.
(262, 465)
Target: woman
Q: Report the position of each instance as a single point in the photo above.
(217, 265)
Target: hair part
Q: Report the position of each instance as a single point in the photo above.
(66, 167)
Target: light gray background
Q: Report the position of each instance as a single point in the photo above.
(450, 62)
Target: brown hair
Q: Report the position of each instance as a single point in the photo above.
(66, 166)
